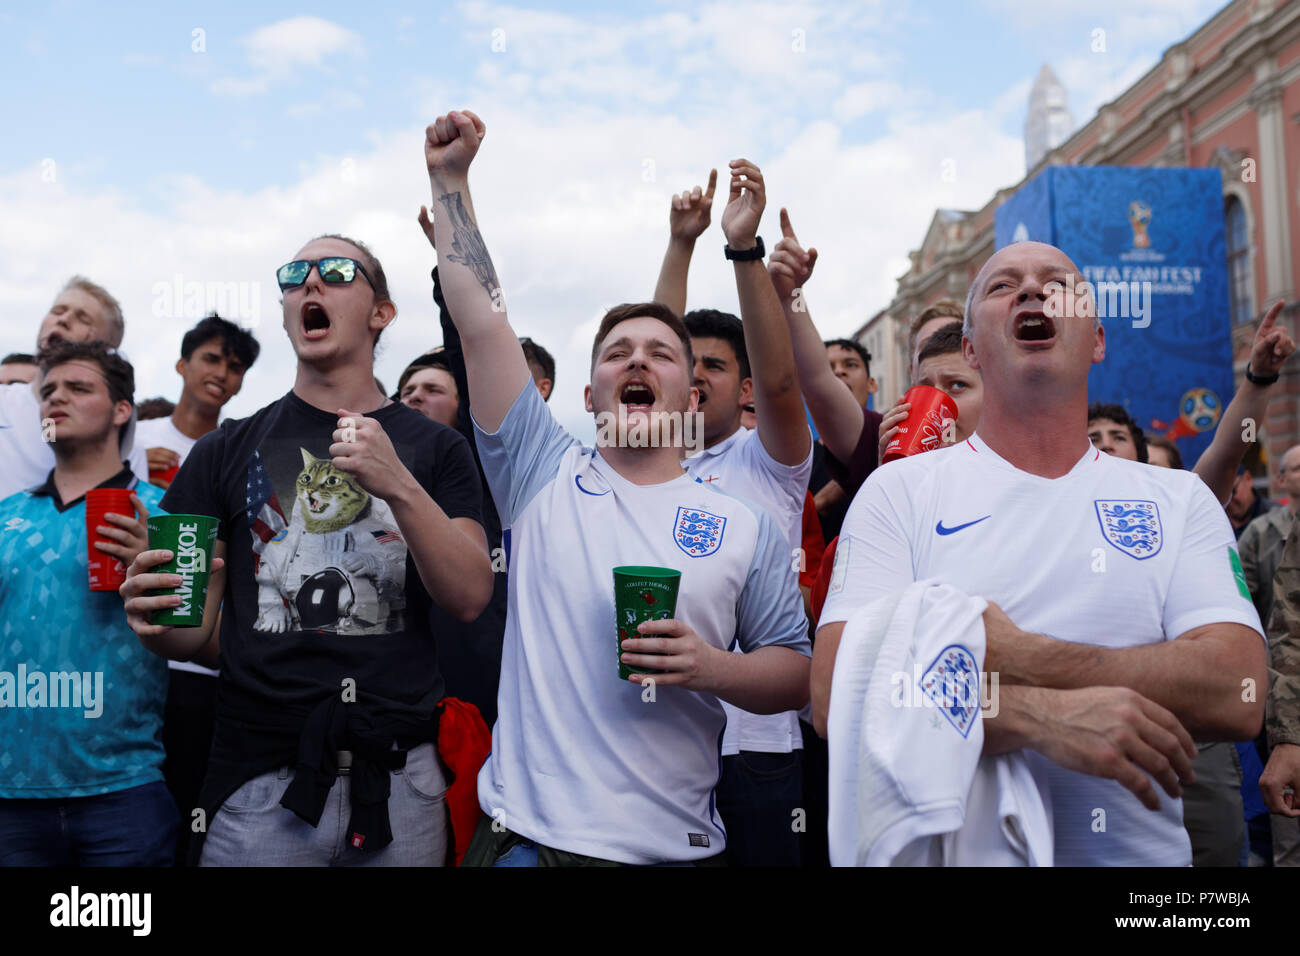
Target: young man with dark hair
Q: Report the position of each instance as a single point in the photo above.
(156, 407)
(17, 368)
(541, 364)
(215, 355)
(81, 701)
(428, 386)
(1112, 429)
(81, 312)
(584, 767)
(344, 517)
(761, 785)
(939, 364)
(851, 363)
(1163, 453)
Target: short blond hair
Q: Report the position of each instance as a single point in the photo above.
(112, 309)
(943, 309)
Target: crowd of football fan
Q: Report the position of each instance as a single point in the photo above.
(395, 575)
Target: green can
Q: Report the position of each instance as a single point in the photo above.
(191, 539)
(641, 593)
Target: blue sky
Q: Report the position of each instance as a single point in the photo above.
(135, 158)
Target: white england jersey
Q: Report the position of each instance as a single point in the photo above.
(739, 465)
(581, 761)
(1114, 554)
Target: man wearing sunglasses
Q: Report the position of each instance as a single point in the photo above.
(345, 518)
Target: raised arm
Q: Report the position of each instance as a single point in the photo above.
(687, 220)
(834, 410)
(1218, 464)
(494, 361)
(778, 403)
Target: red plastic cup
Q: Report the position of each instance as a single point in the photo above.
(165, 475)
(107, 573)
(923, 428)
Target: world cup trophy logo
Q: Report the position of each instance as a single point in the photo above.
(1139, 217)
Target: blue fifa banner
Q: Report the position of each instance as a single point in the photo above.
(1151, 243)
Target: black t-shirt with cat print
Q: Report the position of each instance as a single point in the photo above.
(320, 587)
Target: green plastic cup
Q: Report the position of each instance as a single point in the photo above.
(641, 593)
(191, 539)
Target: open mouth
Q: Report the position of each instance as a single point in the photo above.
(215, 390)
(637, 396)
(1034, 327)
(315, 321)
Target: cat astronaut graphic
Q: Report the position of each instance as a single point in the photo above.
(338, 565)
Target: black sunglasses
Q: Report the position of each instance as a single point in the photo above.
(335, 270)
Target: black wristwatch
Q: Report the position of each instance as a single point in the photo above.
(1260, 379)
(746, 255)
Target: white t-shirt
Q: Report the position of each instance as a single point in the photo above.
(1114, 554)
(581, 761)
(161, 433)
(739, 465)
(26, 455)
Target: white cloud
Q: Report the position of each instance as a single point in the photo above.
(862, 99)
(281, 50)
(288, 45)
(572, 186)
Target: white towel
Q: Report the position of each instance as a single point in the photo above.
(908, 786)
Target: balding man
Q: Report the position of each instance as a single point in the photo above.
(81, 312)
(1118, 621)
(1262, 542)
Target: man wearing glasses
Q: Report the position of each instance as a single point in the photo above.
(345, 517)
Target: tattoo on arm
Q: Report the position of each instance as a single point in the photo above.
(468, 248)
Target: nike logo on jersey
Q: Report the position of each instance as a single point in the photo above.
(942, 530)
(577, 480)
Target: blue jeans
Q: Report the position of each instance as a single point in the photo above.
(252, 829)
(757, 796)
(132, 827)
(525, 854)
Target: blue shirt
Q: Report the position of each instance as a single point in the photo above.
(81, 699)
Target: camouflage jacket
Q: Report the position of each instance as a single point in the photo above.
(1260, 548)
(1283, 709)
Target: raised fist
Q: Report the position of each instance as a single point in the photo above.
(450, 144)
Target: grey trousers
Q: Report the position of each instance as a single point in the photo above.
(252, 829)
